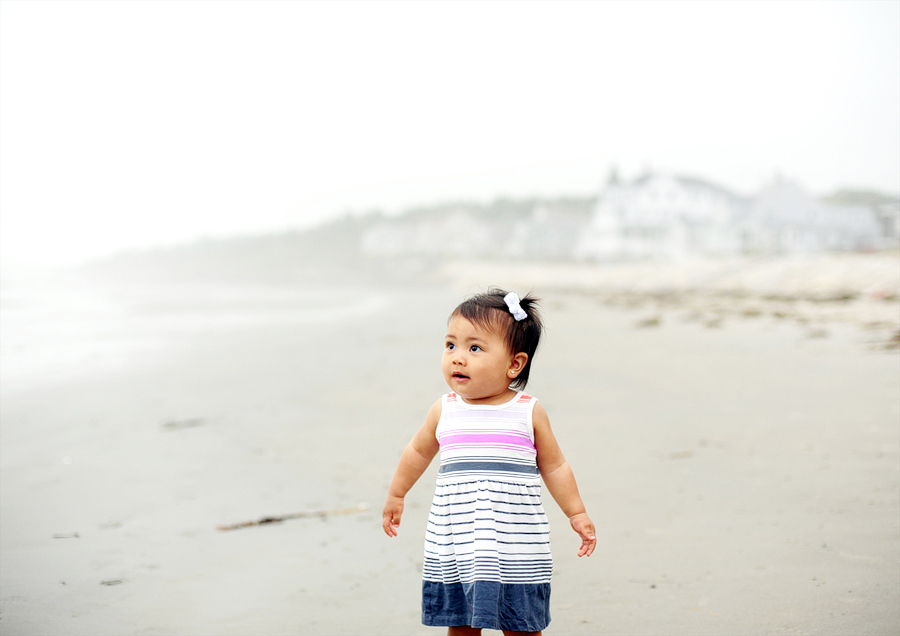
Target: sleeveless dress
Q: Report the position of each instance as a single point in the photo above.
(487, 546)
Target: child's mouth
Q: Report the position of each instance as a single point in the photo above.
(460, 376)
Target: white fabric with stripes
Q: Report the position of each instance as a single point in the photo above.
(486, 521)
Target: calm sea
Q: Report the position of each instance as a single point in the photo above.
(59, 326)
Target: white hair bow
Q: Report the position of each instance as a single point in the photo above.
(512, 301)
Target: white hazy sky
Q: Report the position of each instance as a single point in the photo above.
(135, 124)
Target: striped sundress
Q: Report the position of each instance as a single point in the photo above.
(487, 546)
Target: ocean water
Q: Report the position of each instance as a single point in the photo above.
(59, 326)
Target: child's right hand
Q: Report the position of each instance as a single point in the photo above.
(390, 516)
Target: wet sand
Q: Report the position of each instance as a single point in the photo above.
(744, 477)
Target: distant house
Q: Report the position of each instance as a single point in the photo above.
(654, 216)
(668, 216)
(888, 215)
(661, 215)
(885, 207)
(784, 218)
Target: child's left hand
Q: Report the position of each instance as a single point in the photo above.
(583, 525)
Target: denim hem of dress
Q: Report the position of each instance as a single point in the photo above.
(487, 604)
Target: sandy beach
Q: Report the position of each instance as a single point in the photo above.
(743, 472)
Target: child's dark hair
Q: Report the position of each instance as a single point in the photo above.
(490, 311)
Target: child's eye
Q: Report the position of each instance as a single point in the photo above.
(474, 348)
(451, 346)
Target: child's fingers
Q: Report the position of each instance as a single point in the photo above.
(585, 529)
(390, 515)
(390, 521)
(387, 523)
(587, 546)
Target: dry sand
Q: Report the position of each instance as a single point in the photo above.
(744, 479)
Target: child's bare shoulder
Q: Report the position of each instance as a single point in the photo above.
(539, 417)
(434, 413)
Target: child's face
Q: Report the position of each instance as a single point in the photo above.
(477, 363)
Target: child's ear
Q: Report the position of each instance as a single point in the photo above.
(517, 363)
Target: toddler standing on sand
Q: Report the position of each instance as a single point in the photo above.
(487, 546)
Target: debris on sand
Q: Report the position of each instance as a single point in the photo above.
(814, 290)
(655, 321)
(323, 514)
(174, 425)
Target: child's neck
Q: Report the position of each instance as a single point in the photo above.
(493, 400)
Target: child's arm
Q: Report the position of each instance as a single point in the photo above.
(415, 459)
(560, 480)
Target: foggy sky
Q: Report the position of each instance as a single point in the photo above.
(135, 124)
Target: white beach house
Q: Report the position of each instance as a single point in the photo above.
(660, 215)
(783, 218)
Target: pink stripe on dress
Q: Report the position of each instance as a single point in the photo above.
(514, 440)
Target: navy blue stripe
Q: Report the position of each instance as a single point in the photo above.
(530, 555)
(509, 576)
(483, 466)
(486, 562)
(512, 576)
(536, 485)
(515, 576)
(499, 512)
(532, 500)
(455, 532)
(450, 559)
(505, 523)
(481, 491)
(459, 543)
(536, 509)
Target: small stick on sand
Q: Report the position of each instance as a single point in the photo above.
(296, 515)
